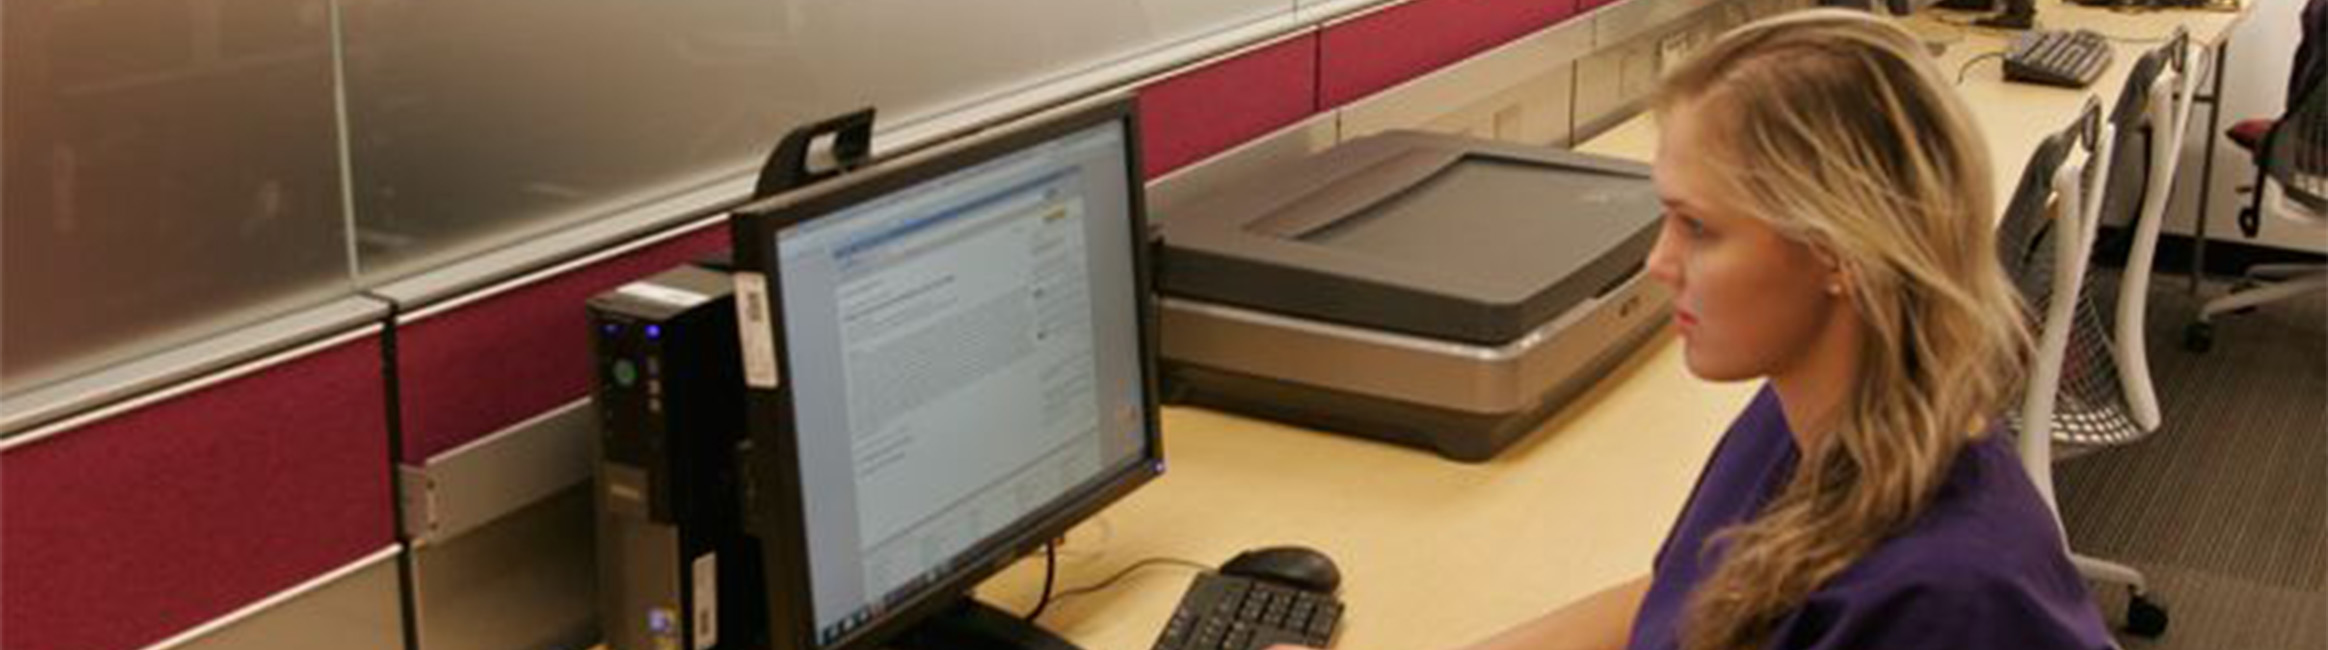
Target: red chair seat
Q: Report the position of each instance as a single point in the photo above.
(2248, 134)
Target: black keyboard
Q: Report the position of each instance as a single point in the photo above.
(1223, 612)
(2070, 59)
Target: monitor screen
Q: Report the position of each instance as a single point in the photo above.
(965, 347)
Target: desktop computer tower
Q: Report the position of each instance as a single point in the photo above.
(674, 570)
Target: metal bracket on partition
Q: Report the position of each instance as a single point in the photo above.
(788, 166)
(476, 484)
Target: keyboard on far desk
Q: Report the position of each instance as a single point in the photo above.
(2066, 58)
(1222, 612)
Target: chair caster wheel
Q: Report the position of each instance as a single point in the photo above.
(2145, 618)
(2199, 337)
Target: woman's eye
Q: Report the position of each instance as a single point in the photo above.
(1690, 227)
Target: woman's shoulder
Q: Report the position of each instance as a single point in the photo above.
(1984, 595)
(1983, 566)
(1987, 526)
(1948, 602)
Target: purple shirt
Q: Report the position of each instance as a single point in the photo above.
(1982, 567)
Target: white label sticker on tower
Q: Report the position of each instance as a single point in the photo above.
(758, 337)
(706, 601)
(672, 296)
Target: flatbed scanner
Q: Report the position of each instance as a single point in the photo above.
(1432, 290)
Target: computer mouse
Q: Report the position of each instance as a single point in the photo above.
(1299, 567)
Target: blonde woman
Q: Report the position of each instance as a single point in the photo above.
(1828, 231)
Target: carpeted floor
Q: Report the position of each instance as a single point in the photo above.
(2225, 508)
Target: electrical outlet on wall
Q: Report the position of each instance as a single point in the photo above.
(1510, 122)
(1676, 48)
(1532, 111)
(1638, 71)
(1472, 122)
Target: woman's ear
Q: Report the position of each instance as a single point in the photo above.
(1838, 277)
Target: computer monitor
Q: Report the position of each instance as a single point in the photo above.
(950, 359)
(1935, 41)
(2004, 14)
(1894, 8)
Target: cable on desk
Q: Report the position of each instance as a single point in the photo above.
(1967, 67)
(2008, 34)
(1050, 574)
(1126, 571)
(2129, 40)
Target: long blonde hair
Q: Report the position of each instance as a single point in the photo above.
(1835, 128)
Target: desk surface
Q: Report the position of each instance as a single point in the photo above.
(2013, 117)
(1436, 552)
(1428, 547)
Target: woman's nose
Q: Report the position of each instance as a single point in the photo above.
(1665, 257)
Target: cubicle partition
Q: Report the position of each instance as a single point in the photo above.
(198, 512)
(1215, 105)
(1366, 53)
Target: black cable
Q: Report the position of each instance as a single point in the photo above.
(2130, 40)
(1127, 570)
(1967, 67)
(2007, 33)
(1050, 576)
(2000, 32)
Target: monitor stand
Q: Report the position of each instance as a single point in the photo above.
(1936, 41)
(2018, 14)
(974, 625)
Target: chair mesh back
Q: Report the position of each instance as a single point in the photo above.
(2090, 409)
(2297, 154)
(2130, 162)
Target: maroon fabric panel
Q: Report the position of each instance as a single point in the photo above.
(1380, 50)
(487, 365)
(1202, 112)
(128, 530)
(1589, 5)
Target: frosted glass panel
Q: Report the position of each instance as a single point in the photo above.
(172, 167)
(475, 123)
(170, 170)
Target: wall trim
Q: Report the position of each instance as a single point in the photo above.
(434, 295)
(385, 554)
(136, 400)
(1328, 12)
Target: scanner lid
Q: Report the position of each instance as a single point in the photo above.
(1421, 233)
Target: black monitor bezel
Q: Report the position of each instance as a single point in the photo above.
(774, 511)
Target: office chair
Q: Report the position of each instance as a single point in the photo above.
(2291, 157)
(2075, 385)
(2149, 119)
